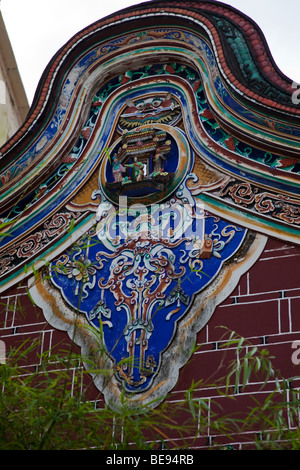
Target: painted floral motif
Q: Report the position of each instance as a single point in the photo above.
(79, 268)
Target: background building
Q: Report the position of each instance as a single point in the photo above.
(13, 101)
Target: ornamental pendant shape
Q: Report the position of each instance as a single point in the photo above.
(136, 288)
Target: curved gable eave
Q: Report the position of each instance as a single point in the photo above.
(110, 48)
(159, 11)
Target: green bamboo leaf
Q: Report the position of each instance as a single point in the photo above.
(108, 154)
(72, 225)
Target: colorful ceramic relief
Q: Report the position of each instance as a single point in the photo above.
(135, 275)
(154, 162)
(137, 291)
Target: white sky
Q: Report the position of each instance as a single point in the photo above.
(38, 28)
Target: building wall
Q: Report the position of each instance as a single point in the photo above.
(13, 101)
(264, 308)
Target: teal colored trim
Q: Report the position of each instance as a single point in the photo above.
(38, 259)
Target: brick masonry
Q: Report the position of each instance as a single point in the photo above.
(264, 308)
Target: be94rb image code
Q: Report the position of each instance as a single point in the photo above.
(167, 459)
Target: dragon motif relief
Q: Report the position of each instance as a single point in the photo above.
(276, 206)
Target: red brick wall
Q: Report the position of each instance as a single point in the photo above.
(264, 308)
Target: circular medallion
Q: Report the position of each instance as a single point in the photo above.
(146, 164)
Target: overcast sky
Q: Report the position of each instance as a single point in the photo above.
(38, 28)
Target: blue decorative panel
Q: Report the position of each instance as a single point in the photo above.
(137, 286)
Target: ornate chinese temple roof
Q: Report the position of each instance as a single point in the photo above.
(201, 74)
